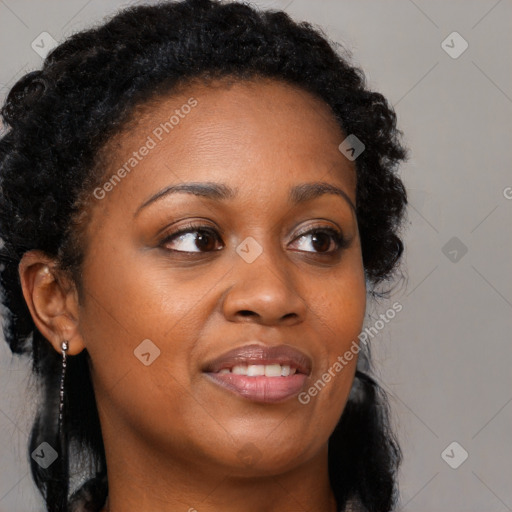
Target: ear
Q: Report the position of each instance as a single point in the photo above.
(52, 299)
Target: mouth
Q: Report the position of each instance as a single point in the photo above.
(259, 373)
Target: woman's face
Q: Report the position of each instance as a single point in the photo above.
(160, 312)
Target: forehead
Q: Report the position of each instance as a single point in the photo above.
(261, 133)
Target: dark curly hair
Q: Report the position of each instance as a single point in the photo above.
(60, 117)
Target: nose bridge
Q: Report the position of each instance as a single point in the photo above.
(260, 258)
(264, 281)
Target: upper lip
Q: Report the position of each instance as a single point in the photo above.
(263, 355)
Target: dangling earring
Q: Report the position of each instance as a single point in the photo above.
(64, 346)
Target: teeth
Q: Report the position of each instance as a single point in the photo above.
(257, 370)
(254, 370)
(239, 369)
(273, 370)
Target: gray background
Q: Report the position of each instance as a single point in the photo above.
(445, 358)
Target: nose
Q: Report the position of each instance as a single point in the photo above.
(264, 291)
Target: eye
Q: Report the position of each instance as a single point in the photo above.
(192, 238)
(195, 238)
(323, 240)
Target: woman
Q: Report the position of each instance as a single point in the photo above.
(197, 199)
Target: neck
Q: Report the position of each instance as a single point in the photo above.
(145, 480)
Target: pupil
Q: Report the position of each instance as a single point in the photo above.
(202, 240)
(316, 238)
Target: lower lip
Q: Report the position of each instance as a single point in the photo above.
(261, 389)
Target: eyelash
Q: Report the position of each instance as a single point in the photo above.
(340, 241)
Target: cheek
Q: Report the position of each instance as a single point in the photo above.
(340, 302)
(125, 303)
(338, 309)
(140, 326)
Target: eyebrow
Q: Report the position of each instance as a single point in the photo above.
(220, 192)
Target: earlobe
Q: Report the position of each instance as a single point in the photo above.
(51, 299)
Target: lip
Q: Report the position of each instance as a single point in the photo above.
(261, 388)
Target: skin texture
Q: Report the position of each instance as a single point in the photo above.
(173, 439)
